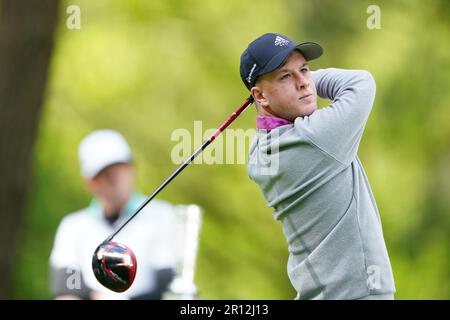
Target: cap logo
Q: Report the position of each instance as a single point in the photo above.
(249, 78)
(281, 42)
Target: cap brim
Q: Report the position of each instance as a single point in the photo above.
(309, 50)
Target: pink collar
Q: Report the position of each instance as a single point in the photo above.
(269, 123)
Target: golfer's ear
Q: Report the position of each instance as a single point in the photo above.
(258, 95)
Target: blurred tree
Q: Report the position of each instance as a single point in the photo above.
(26, 40)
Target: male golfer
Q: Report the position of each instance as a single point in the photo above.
(305, 162)
(106, 166)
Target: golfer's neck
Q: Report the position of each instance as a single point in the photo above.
(265, 112)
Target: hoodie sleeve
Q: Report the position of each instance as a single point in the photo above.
(337, 129)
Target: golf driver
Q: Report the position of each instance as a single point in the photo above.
(114, 264)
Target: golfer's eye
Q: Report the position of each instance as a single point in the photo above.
(286, 76)
(304, 70)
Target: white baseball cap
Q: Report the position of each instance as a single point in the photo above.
(101, 149)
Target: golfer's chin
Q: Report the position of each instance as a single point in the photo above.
(307, 109)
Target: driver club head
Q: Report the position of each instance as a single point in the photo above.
(114, 266)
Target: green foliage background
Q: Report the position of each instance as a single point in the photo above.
(146, 68)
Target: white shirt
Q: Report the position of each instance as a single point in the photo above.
(150, 235)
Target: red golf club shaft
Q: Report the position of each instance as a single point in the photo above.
(235, 114)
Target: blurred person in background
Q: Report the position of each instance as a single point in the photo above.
(106, 165)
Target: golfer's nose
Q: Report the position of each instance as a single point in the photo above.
(302, 82)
